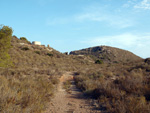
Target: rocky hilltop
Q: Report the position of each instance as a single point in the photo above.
(107, 54)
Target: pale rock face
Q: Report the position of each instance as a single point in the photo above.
(21, 43)
(36, 43)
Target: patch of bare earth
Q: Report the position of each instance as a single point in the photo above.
(72, 102)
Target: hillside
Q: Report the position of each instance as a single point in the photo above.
(37, 80)
(107, 54)
(29, 84)
(26, 55)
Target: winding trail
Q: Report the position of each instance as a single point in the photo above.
(73, 102)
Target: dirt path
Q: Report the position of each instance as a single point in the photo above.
(73, 102)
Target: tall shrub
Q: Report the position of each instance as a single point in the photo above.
(5, 45)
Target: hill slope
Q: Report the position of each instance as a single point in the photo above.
(31, 82)
(107, 54)
(26, 55)
(29, 85)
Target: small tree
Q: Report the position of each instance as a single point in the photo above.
(5, 45)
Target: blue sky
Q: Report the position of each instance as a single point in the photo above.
(75, 24)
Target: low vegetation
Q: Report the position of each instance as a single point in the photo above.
(28, 84)
(20, 93)
(29, 74)
(99, 62)
(24, 40)
(37, 52)
(118, 92)
(25, 48)
(49, 54)
(107, 54)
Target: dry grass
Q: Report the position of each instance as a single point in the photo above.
(29, 85)
(107, 54)
(118, 88)
(32, 56)
(24, 93)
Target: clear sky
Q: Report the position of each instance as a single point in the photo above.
(76, 24)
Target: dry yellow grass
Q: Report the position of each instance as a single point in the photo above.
(24, 93)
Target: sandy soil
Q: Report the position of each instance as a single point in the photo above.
(73, 102)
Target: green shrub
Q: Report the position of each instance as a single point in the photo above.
(115, 62)
(49, 54)
(37, 52)
(14, 36)
(25, 48)
(5, 45)
(24, 39)
(98, 62)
